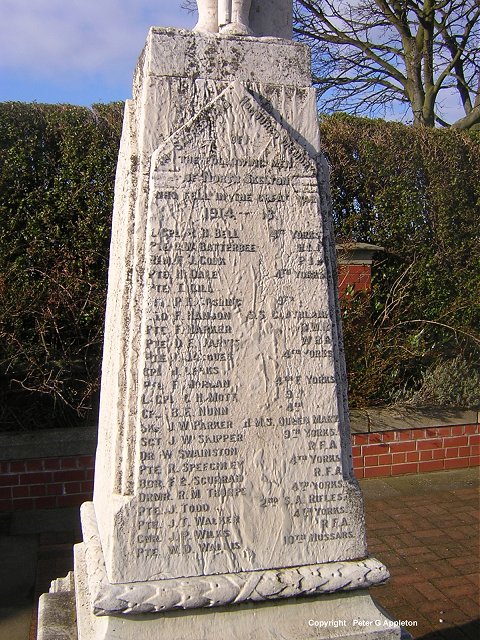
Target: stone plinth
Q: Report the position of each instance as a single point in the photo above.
(350, 615)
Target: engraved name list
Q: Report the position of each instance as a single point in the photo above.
(239, 452)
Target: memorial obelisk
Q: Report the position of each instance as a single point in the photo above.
(224, 488)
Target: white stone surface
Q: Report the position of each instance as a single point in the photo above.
(348, 616)
(185, 54)
(237, 430)
(224, 444)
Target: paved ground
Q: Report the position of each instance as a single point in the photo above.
(425, 528)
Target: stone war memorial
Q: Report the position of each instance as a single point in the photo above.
(225, 505)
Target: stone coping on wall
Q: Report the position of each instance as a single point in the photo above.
(349, 253)
(48, 443)
(403, 418)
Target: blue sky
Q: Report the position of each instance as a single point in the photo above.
(77, 51)
(85, 51)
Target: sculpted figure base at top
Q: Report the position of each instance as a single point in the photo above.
(224, 16)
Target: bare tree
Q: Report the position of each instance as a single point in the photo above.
(371, 55)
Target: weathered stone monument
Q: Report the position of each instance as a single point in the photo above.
(224, 491)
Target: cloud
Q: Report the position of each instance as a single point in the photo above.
(51, 38)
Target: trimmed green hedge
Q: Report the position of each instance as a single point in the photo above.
(57, 167)
(415, 192)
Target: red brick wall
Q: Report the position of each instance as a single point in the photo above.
(394, 453)
(46, 483)
(356, 276)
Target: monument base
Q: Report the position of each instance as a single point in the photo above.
(351, 615)
(195, 592)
